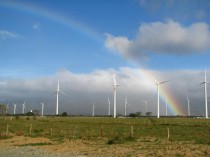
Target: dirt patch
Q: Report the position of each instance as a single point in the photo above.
(21, 141)
(141, 147)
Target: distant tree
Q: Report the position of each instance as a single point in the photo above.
(29, 114)
(148, 114)
(3, 109)
(138, 114)
(134, 115)
(64, 114)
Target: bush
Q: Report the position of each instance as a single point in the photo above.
(29, 114)
(64, 114)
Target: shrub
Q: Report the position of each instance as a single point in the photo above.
(64, 114)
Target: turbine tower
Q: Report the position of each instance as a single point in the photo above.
(14, 108)
(126, 103)
(93, 112)
(145, 105)
(158, 101)
(115, 94)
(7, 110)
(166, 107)
(23, 109)
(205, 92)
(109, 107)
(188, 106)
(42, 108)
(57, 93)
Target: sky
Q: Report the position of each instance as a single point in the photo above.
(83, 43)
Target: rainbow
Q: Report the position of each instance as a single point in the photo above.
(73, 24)
(173, 105)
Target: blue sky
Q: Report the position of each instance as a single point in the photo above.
(42, 42)
(81, 42)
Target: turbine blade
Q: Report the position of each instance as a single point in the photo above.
(202, 83)
(154, 79)
(58, 84)
(108, 101)
(115, 83)
(62, 92)
(164, 82)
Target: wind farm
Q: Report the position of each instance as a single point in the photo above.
(117, 109)
(104, 78)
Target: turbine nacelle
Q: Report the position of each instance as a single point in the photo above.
(115, 83)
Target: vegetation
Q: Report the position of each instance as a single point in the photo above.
(114, 131)
(64, 114)
(29, 114)
(137, 114)
(3, 109)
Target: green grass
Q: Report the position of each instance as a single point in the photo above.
(115, 130)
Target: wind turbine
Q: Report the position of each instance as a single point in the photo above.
(205, 92)
(145, 105)
(57, 93)
(166, 107)
(188, 106)
(126, 103)
(23, 109)
(93, 112)
(115, 94)
(14, 108)
(158, 101)
(42, 108)
(7, 108)
(109, 107)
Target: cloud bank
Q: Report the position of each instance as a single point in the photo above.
(169, 37)
(84, 89)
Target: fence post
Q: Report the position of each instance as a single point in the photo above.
(168, 133)
(7, 130)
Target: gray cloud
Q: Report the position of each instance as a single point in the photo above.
(84, 89)
(166, 38)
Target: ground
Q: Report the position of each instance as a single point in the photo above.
(142, 147)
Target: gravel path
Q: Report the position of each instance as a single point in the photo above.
(29, 151)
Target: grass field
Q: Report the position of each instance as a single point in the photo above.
(140, 133)
(119, 130)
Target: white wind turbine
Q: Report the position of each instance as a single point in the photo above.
(109, 107)
(166, 107)
(7, 110)
(158, 101)
(23, 107)
(57, 93)
(126, 103)
(205, 92)
(145, 105)
(42, 108)
(115, 94)
(14, 108)
(188, 106)
(93, 111)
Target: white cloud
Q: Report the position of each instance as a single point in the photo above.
(120, 44)
(6, 35)
(3, 83)
(36, 26)
(167, 38)
(84, 89)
